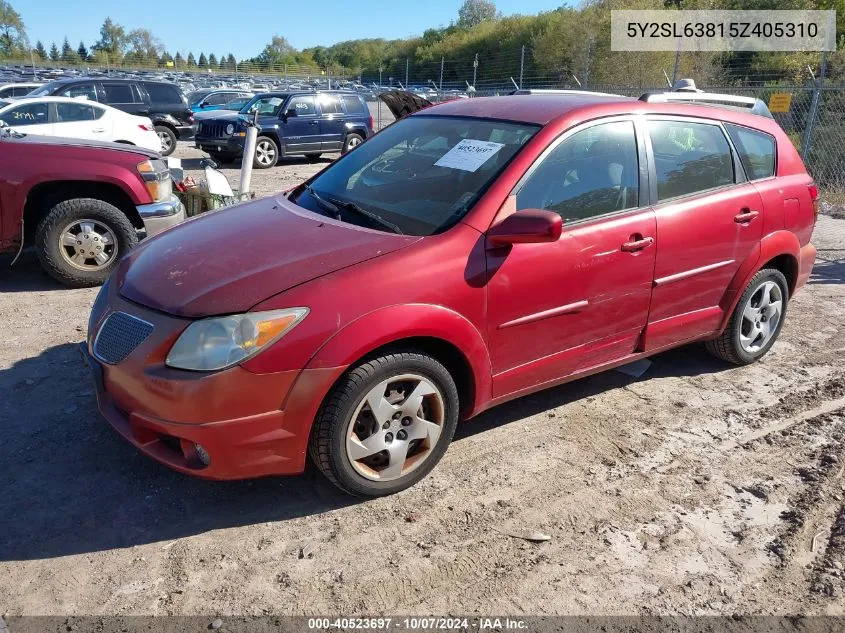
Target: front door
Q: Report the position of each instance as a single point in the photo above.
(30, 118)
(559, 308)
(300, 126)
(709, 221)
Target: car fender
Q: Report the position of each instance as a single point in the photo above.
(394, 323)
(771, 246)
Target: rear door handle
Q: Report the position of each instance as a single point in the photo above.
(745, 215)
(98, 129)
(313, 122)
(637, 244)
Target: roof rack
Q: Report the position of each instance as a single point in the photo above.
(743, 104)
(544, 91)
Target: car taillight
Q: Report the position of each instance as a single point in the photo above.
(146, 128)
(370, 122)
(814, 196)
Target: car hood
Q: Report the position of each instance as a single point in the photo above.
(217, 115)
(228, 261)
(36, 139)
(401, 103)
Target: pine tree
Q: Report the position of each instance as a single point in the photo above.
(212, 61)
(68, 54)
(192, 63)
(231, 64)
(82, 52)
(40, 51)
(54, 52)
(203, 62)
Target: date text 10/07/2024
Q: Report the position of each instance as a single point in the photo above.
(418, 624)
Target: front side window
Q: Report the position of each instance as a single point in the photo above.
(689, 157)
(29, 114)
(218, 98)
(303, 106)
(591, 173)
(756, 151)
(422, 174)
(69, 112)
(79, 91)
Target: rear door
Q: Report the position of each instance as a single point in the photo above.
(125, 96)
(559, 308)
(332, 122)
(708, 219)
(300, 125)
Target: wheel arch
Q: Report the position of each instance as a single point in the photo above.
(44, 196)
(437, 331)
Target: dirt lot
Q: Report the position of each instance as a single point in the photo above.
(697, 488)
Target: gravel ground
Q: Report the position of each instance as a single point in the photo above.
(696, 488)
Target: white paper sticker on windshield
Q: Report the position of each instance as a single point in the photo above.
(469, 154)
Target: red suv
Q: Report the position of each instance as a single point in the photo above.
(471, 253)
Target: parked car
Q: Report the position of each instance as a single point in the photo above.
(471, 253)
(75, 118)
(80, 203)
(209, 100)
(307, 123)
(162, 102)
(17, 90)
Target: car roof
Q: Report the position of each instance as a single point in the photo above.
(542, 109)
(27, 99)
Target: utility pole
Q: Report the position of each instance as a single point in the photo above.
(677, 65)
(380, 70)
(407, 64)
(587, 62)
(442, 61)
(474, 69)
(521, 65)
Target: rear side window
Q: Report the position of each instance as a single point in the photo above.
(20, 91)
(329, 104)
(352, 104)
(81, 90)
(689, 157)
(68, 112)
(162, 93)
(756, 151)
(119, 93)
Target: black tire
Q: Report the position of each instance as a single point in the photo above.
(352, 140)
(168, 139)
(728, 347)
(327, 445)
(48, 235)
(223, 159)
(313, 155)
(273, 152)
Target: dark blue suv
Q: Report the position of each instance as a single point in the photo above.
(290, 123)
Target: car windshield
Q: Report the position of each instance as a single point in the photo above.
(421, 174)
(198, 95)
(44, 90)
(265, 105)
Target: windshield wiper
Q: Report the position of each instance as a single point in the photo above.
(351, 206)
(324, 204)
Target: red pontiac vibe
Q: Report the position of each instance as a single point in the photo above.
(469, 254)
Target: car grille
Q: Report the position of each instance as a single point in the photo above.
(120, 334)
(212, 129)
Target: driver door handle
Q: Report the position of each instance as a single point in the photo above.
(637, 243)
(313, 122)
(745, 215)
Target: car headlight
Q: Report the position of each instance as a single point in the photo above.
(220, 342)
(230, 129)
(156, 176)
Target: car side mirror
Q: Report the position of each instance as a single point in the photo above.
(529, 226)
(203, 104)
(291, 112)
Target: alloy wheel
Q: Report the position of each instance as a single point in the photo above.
(353, 141)
(87, 244)
(166, 142)
(761, 317)
(395, 427)
(265, 154)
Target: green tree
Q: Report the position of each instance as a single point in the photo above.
(12, 32)
(203, 62)
(474, 12)
(178, 60)
(40, 52)
(192, 63)
(212, 61)
(68, 54)
(82, 52)
(54, 53)
(231, 64)
(144, 46)
(276, 54)
(113, 40)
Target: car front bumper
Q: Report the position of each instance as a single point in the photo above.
(161, 215)
(249, 425)
(229, 145)
(185, 132)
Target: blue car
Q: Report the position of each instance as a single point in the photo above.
(289, 123)
(214, 99)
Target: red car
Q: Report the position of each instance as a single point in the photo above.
(471, 253)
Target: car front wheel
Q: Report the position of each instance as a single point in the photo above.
(266, 153)
(756, 321)
(386, 424)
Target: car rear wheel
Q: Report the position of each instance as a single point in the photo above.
(352, 141)
(386, 424)
(167, 138)
(756, 321)
(80, 241)
(266, 153)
